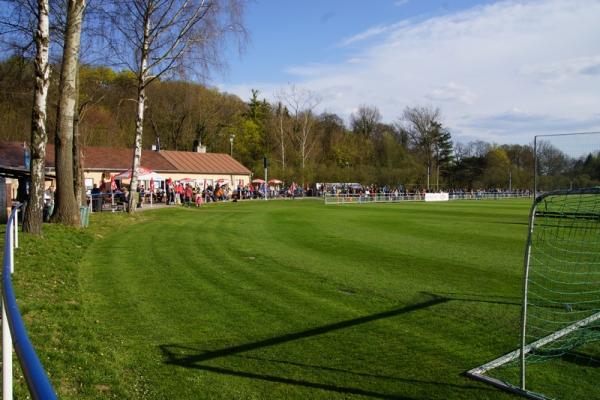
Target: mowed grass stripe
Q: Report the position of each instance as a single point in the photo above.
(300, 300)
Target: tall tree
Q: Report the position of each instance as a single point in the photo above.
(497, 169)
(424, 129)
(171, 114)
(168, 37)
(39, 135)
(365, 121)
(443, 154)
(302, 104)
(282, 118)
(66, 210)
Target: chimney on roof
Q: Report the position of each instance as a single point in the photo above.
(156, 147)
(198, 148)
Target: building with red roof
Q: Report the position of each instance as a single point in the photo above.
(200, 168)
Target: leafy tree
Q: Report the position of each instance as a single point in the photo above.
(330, 128)
(443, 154)
(497, 167)
(254, 139)
(466, 173)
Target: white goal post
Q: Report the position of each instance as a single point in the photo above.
(561, 285)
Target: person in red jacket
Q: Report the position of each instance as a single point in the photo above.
(188, 193)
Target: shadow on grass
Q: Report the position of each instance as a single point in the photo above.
(345, 371)
(299, 335)
(473, 298)
(194, 361)
(298, 382)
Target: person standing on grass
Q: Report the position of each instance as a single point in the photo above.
(169, 190)
(188, 195)
(178, 193)
(199, 198)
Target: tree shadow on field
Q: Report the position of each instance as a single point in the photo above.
(346, 371)
(187, 357)
(476, 298)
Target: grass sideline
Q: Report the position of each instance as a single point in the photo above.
(292, 300)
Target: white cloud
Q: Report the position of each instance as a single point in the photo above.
(563, 70)
(452, 92)
(368, 34)
(400, 3)
(540, 57)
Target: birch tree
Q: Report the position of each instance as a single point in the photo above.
(168, 37)
(301, 104)
(281, 114)
(39, 136)
(25, 24)
(66, 208)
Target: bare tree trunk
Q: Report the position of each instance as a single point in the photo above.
(137, 149)
(67, 210)
(39, 136)
(302, 103)
(282, 138)
(139, 120)
(307, 141)
(78, 162)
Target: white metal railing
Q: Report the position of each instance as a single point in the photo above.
(401, 197)
(14, 334)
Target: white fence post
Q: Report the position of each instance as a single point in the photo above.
(7, 367)
(11, 253)
(7, 370)
(16, 226)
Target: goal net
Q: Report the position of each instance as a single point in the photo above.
(559, 352)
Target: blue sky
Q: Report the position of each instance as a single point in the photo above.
(500, 71)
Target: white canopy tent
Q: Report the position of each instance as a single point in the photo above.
(144, 174)
(151, 175)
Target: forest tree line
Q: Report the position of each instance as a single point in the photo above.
(301, 144)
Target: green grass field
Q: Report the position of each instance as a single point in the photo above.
(278, 300)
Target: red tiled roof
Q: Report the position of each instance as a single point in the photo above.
(101, 158)
(12, 155)
(212, 163)
(119, 159)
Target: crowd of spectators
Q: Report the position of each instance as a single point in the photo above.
(356, 189)
(172, 192)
